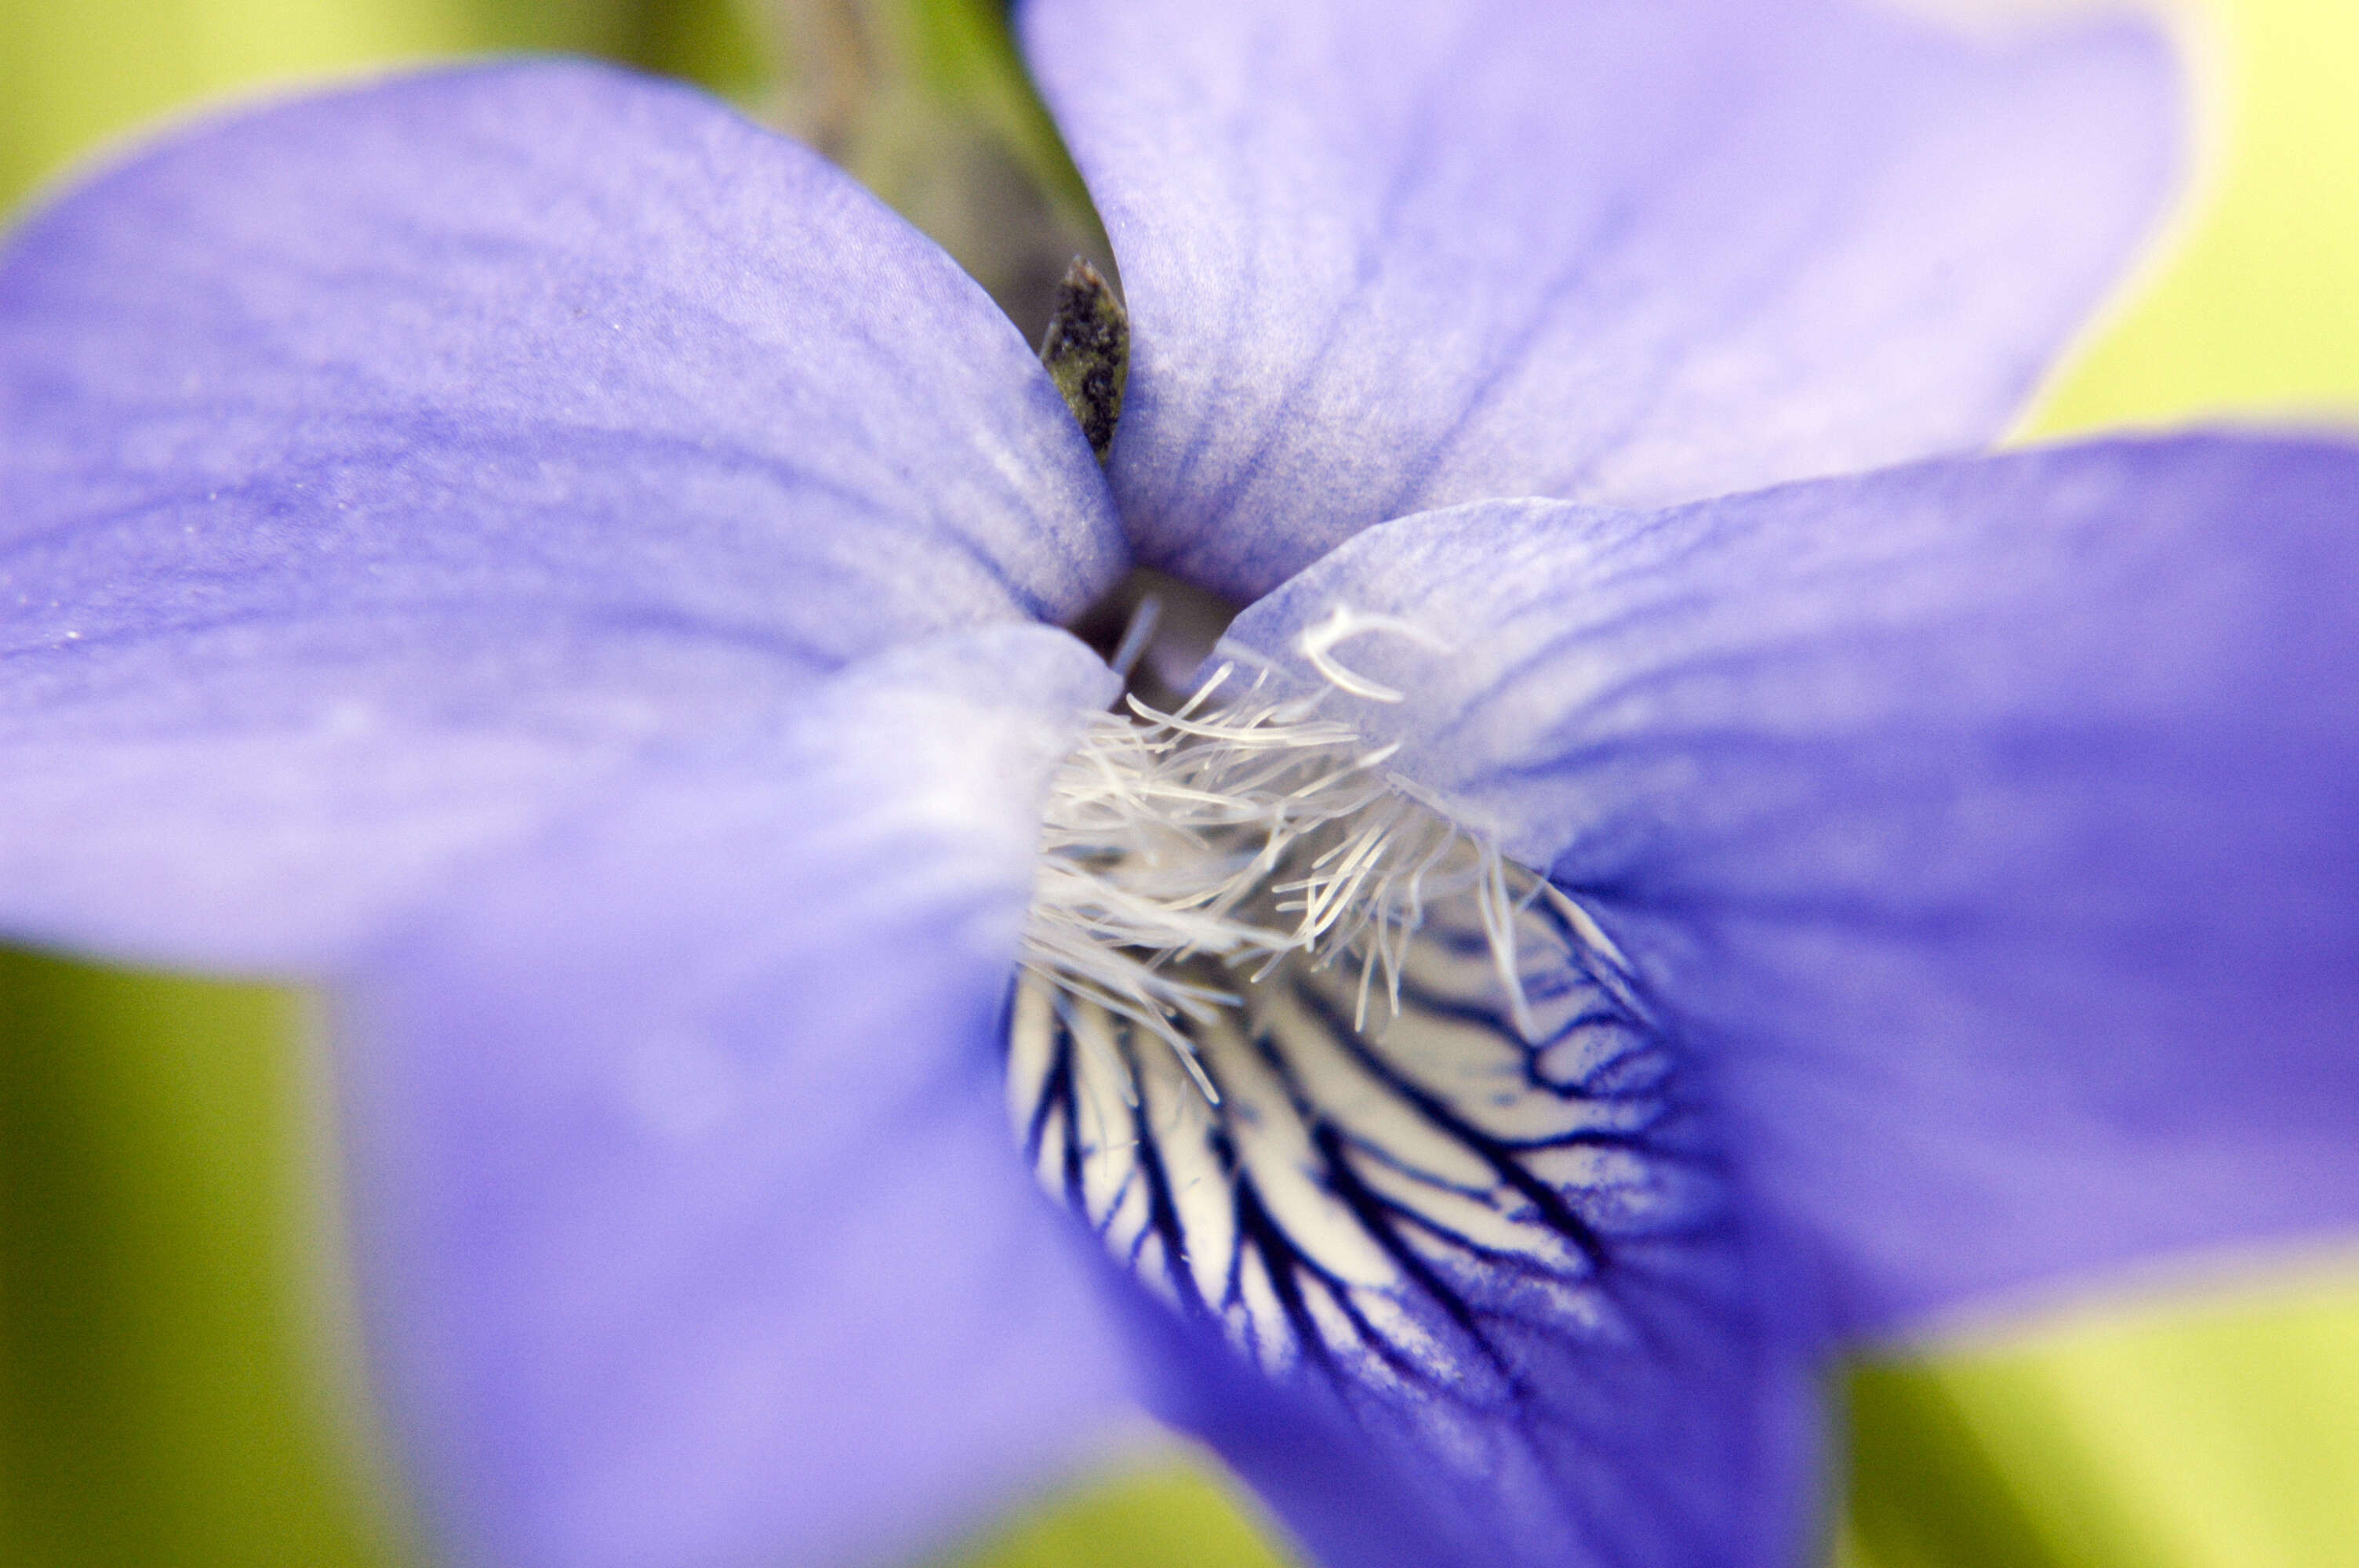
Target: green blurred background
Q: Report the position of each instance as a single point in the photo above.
(176, 1381)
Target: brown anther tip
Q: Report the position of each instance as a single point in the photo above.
(1086, 352)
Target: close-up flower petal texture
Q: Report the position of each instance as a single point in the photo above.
(1685, 861)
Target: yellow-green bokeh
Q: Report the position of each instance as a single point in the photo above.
(164, 1361)
(168, 1386)
(2254, 311)
(76, 73)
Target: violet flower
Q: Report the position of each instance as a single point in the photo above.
(570, 571)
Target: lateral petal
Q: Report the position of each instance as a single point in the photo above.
(381, 467)
(691, 1226)
(1986, 826)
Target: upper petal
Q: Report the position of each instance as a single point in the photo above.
(1383, 257)
(381, 465)
(694, 1235)
(1987, 826)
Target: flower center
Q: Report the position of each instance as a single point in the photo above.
(1187, 856)
(1312, 1059)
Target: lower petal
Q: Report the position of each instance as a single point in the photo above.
(1448, 1268)
(1694, 1446)
(691, 1231)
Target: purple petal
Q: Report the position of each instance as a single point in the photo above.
(1392, 256)
(384, 466)
(1449, 1294)
(694, 1232)
(1694, 1446)
(1988, 825)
